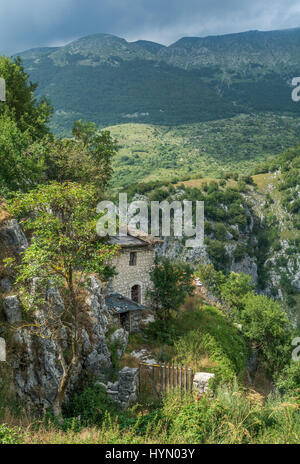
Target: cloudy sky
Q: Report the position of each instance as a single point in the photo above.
(35, 23)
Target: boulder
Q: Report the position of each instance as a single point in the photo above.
(120, 339)
(201, 382)
(13, 236)
(97, 356)
(12, 310)
(5, 285)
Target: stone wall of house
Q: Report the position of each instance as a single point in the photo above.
(128, 276)
(132, 321)
(135, 321)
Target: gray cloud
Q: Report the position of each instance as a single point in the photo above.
(36, 23)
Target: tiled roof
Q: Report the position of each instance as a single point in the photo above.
(135, 238)
(118, 304)
(127, 241)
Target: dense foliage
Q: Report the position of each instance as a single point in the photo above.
(31, 116)
(105, 79)
(172, 282)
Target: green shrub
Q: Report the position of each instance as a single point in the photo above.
(9, 436)
(161, 331)
(217, 253)
(216, 338)
(288, 382)
(266, 325)
(88, 408)
(220, 232)
(239, 252)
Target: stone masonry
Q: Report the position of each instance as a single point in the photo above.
(128, 276)
(125, 390)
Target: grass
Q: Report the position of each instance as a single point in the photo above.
(233, 416)
(148, 152)
(198, 183)
(199, 337)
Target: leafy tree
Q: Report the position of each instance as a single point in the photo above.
(211, 278)
(220, 232)
(20, 105)
(234, 289)
(85, 159)
(64, 249)
(288, 382)
(266, 326)
(20, 166)
(172, 283)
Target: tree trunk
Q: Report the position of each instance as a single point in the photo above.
(67, 369)
(64, 382)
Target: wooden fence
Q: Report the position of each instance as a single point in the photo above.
(163, 378)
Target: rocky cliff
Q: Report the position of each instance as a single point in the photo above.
(32, 355)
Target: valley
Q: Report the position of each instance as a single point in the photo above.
(208, 149)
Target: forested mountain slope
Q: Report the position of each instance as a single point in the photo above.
(111, 81)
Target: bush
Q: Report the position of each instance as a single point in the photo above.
(239, 252)
(10, 436)
(88, 407)
(161, 331)
(220, 232)
(266, 326)
(216, 340)
(217, 253)
(288, 382)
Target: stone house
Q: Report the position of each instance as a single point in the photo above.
(127, 296)
(126, 313)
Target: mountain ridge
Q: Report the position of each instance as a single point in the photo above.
(106, 79)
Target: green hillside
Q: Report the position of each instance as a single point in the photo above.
(108, 80)
(234, 144)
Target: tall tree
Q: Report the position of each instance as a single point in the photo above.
(20, 166)
(86, 158)
(172, 282)
(64, 249)
(21, 105)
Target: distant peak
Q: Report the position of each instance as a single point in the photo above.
(151, 47)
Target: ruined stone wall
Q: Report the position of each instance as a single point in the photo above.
(128, 276)
(125, 390)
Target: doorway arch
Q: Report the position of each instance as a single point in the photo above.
(136, 293)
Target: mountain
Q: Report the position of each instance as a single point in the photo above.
(242, 52)
(104, 78)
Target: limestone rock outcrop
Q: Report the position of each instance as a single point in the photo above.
(13, 236)
(35, 361)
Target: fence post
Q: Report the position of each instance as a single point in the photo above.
(153, 380)
(180, 377)
(140, 367)
(160, 378)
(173, 374)
(191, 380)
